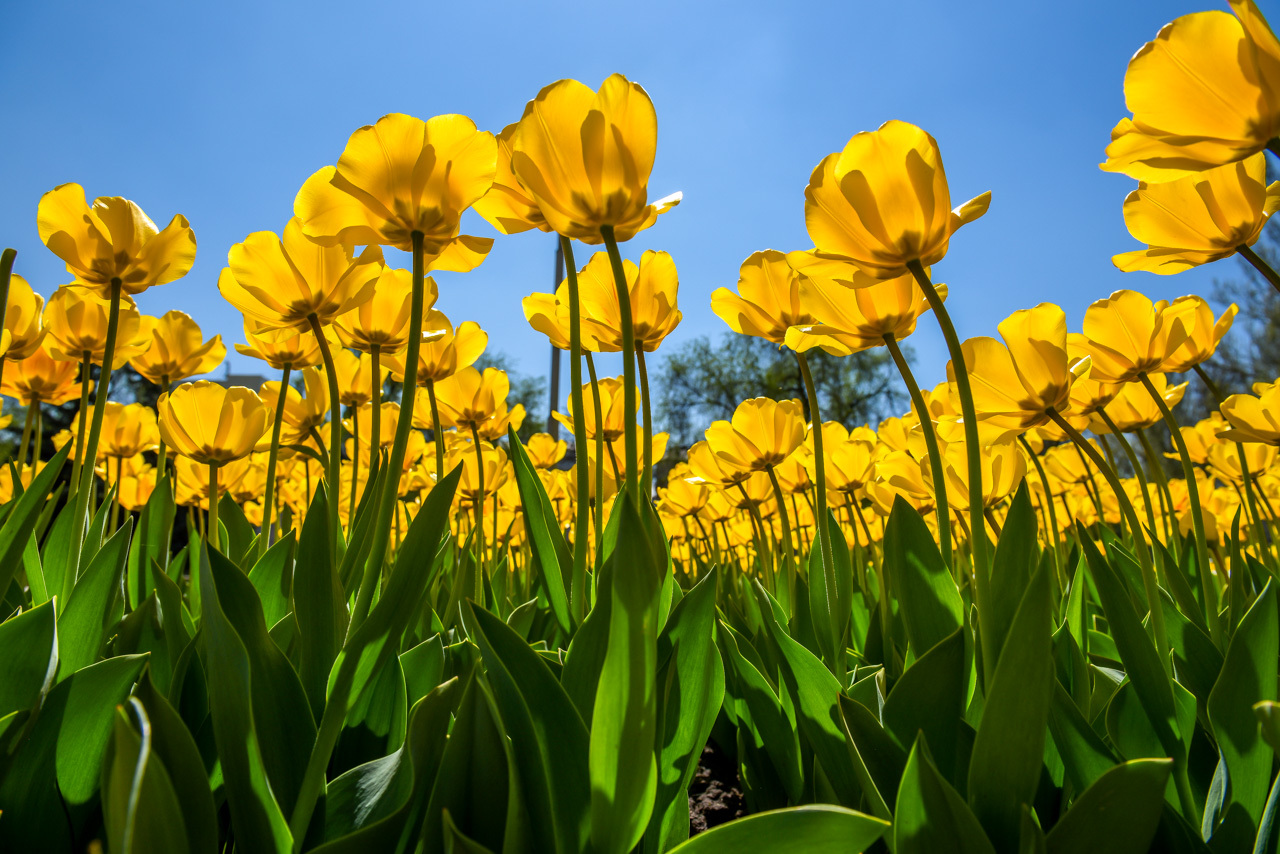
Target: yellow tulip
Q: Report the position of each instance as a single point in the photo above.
(1134, 408)
(135, 481)
(1127, 335)
(761, 435)
(652, 288)
(1224, 460)
(584, 157)
(356, 381)
(76, 321)
(1205, 92)
(277, 349)
(283, 282)
(883, 202)
(496, 427)
(544, 451)
(706, 466)
(23, 321)
(1200, 437)
(856, 318)
(494, 473)
(612, 408)
(1199, 218)
(1253, 417)
(191, 481)
(767, 303)
(680, 497)
(508, 206)
(1016, 385)
(468, 398)
(399, 176)
(444, 351)
(211, 424)
(40, 378)
(302, 413)
(128, 430)
(176, 349)
(1003, 468)
(382, 322)
(1203, 335)
(113, 243)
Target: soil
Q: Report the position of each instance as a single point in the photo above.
(715, 795)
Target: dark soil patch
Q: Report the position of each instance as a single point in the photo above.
(715, 795)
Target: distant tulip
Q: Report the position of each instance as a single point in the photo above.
(444, 351)
(1134, 408)
(355, 377)
(302, 413)
(767, 303)
(853, 319)
(544, 451)
(652, 287)
(761, 435)
(1203, 335)
(382, 321)
(278, 349)
(40, 378)
(176, 349)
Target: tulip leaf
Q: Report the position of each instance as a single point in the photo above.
(930, 604)
(930, 698)
(83, 625)
(929, 815)
(272, 577)
(240, 533)
(1011, 570)
(550, 551)
(1248, 677)
(624, 774)
(1004, 770)
(319, 602)
(151, 539)
(30, 660)
(585, 656)
(797, 830)
(1085, 756)
(139, 805)
(24, 514)
(256, 817)
(549, 740)
(62, 754)
(1115, 815)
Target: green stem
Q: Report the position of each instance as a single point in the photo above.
(91, 449)
(1149, 582)
(978, 541)
(115, 506)
(26, 433)
(1137, 471)
(381, 533)
(437, 432)
(1162, 483)
(1197, 514)
(646, 476)
(334, 474)
(789, 570)
(930, 443)
(475, 439)
(1048, 491)
(599, 440)
(82, 416)
(578, 586)
(1260, 265)
(268, 500)
(821, 533)
(213, 536)
(161, 451)
(375, 417)
(628, 362)
(355, 464)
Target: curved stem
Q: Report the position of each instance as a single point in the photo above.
(581, 537)
(82, 420)
(628, 361)
(115, 505)
(1162, 484)
(268, 499)
(646, 475)
(930, 444)
(375, 417)
(91, 448)
(789, 569)
(1260, 265)
(334, 473)
(475, 439)
(1149, 582)
(1207, 588)
(1137, 470)
(599, 441)
(1048, 491)
(162, 452)
(821, 533)
(213, 535)
(26, 434)
(355, 464)
(437, 432)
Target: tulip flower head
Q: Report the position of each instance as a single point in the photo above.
(1203, 335)
(302, 412)
(761, 435)
(113, 243)
(77, 323)
(445, 350)
(176, 349)
(280, 347)
(23, 321)
(883, 202)
(767, 303)
(856, 318)
(382, 321)
(210, 424)
(544, 451)
(651, 286)
(1127, 335)
(40, 378)
(1254, 418)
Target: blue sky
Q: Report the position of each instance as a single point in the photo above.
(219, 111)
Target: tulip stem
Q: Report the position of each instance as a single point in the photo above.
(1149, 582)
(391, 484)
(214, 537)
(82, 416)
(821, 533)
(161, 451)
(1260, 265)
(599, 440)
(355, 464)
(437, 434)
(1162, 484)
(273, 453)
(789, 571)
(335, 435)
(973, 450)
(1048, 491)
(578, 585)
(1197, 514)
(646, 475)
(1137, 470)
(479, 502)
(91, 449)
(942, 511)
(115, 505)
(375, 417)
(26, 435)
(628, 361)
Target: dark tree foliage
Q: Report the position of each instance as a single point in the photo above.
(705, 381)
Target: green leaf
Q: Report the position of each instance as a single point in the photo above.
(256, 818)
(139, 806)
(624, 773)
(690, 692)
(551, 554)
(1011, 571)
(930, 698)
(1004, 769)
(929, 602)
(798, 830)
(30, 660)
(63, 753)
(930, 817)
(151, 540)
(272, 577)
(22, 518)
(548, 737)
(319, 602)
(240, 534)
(585, 656)
(1117, 814)
(1248, 677)
(85, 619)
(1085, 756)
(457, 842)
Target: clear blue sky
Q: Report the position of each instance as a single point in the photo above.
(219, 111)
